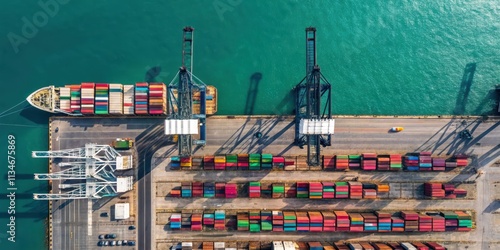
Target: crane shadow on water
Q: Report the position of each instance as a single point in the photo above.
(465, 86)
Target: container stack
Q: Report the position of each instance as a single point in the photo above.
(266, 189)
(356, 222)
(87, 99)
(425, 161)
(366, 245)
(315, 190)
(302, 222)
(220, 220)
(243, 161)
(398, 224)
(278, 191)
(450, 164)
(369, 161)
(383, 188)
(449, 191)
(157, 98)
(315, 221)
(186, 191)
(175, 162)
(115, 99)
(328, 190)
(383, 162)
(65, 99)
(435, 246)
(369, 193)
(175, 221)
(411, 221)
(278, 221)
(208, 219)
(395, 162)
(219, 245)
(438, 223)
(451, 221)
(290, 221)
(420, 246)
(128, 100)
(267, 161)
(278, 162)
(175, 192)
(434, 190)
(302, 190)
(329, 162)
(341, 190)
(329, 221)
(141, 98)
(101, 99)
(231, 162)
(289, 164)
(196, 222)
(220, 190)
(424, 223)
(254, 160)
(231, 191)
(186, 162)
(197, 189)
(208, 245)
(220, 162)
(462, 160)
(75, 100)
(208, 190)
(242, 221)
(355, 190)
(341, 162)
(438, 164)
(460, 192)
(464, 221)
(291, 190)
(187, 246)
(208, 162)
(354, 161)
(370, 221)
(266, 220)
(254, 216)
(381, 246)
(355, 246)
(395, 245)
(408, 246)
(254, 189)
(411, 163)
(186, 222)
(343, 222)
(315, 246)
(384, 221)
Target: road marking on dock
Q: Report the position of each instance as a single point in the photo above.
(89, 217)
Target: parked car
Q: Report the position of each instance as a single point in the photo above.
(131, 243)
(106, 243)
(101, 236)
(104, 214)
(131, 227)
(110, 236)
(113, 243)
(100, 243)
(119, 243)
(124, 242)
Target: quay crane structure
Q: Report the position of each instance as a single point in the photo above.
(314, 125)
(182, 121)
(88, 173)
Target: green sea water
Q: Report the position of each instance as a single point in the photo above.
(381, 57)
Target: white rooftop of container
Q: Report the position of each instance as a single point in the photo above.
(124, 184)
(317, 126)
(181, 127)
(122, 211)
(124, 162)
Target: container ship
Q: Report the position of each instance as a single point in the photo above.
(114, 99)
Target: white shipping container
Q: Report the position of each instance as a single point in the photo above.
(408, 246)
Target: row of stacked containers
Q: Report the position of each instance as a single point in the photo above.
(327, 221)
(311, 245)
(367, 162)
(114, 99)
(311, 190)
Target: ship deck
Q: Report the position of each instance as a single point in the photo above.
(76, 224)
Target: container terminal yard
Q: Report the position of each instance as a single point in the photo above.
(259, 182)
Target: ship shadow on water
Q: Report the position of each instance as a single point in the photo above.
(152, 73)
(35, 115)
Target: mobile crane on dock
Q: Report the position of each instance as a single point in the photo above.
(314, 125)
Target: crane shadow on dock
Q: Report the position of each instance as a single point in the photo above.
(465, 86)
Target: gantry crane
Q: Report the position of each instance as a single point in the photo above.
(95, 164)
(309, 94)
(181, 96)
